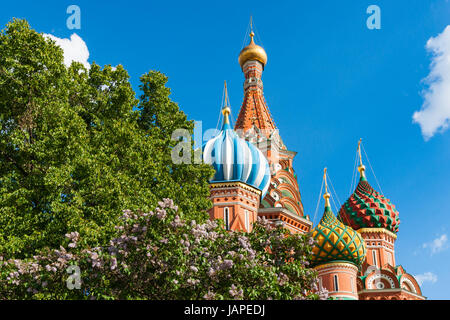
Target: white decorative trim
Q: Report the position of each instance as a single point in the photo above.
(346, 265)
(377, 230)
(397, 290)
(409, 282)
(220, 204)
(354, 296)
(334, 271)
(234, 195)
(286, 212)
(371, 280)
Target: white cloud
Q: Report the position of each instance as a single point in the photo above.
(75, 49)
(437, 245)
(426, 277)
(434, 114)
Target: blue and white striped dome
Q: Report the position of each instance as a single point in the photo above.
(236, 159)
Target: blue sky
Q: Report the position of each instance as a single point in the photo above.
(329, 81)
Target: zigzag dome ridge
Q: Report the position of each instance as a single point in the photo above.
(367, 208)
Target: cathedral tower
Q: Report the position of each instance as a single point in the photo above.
(241, 179)
(282, 203)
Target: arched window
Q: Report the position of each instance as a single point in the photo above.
(374, 258)
(352, 284)
(336, 283)
(247, 220)
(226, 218)
(389, 258)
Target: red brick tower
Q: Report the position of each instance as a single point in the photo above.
(282, 202)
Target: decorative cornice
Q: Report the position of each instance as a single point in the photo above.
(341, 264)
(377, 230)
(286, 212)
(289, 153)
(396, 290)
(230, 184)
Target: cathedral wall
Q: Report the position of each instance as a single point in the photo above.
(339, 278)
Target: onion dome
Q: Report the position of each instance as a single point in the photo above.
(334, 240)
(366, 208)
(236, 159)
(252, 52)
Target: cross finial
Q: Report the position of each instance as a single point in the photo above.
(252, 34)
(361, 167)
(226, 108)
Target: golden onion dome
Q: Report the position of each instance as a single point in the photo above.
(252, 52)
(335, 241)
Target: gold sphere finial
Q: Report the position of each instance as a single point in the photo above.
(226, 111)
(252, 52)
(226, 114)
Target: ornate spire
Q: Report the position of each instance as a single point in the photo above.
(254, 111)
(361, 167)
(235, 159)
(252, 51)
(256, 124)
(366, 208)
(226, 110)
(326, 195)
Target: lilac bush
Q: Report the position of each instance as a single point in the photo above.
(160, 255)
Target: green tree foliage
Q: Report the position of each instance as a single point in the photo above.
(76, 147)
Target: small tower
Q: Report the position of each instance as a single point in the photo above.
(337, 254)
(377, 220)
(375, 217)
(254, 111)
(241, 179)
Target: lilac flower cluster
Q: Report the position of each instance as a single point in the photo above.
(160, 255)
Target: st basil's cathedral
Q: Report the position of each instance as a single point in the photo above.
(354, 252)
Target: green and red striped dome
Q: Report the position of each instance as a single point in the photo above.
(366, 208)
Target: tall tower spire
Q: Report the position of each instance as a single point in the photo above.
(226, 110)
(254, 111)
(326, 195)
(361, 167)
(256, 124)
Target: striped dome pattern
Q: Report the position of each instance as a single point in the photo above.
(366, 208)
(336, 241)
(236, 159)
